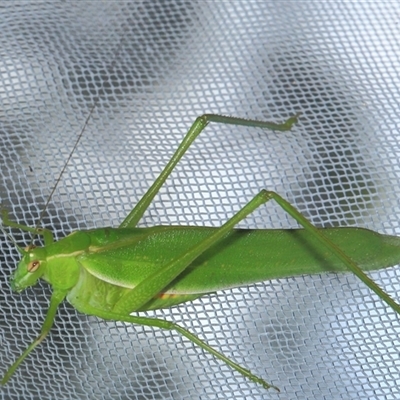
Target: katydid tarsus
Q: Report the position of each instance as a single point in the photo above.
(113, 272)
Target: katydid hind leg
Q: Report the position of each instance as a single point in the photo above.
(334, 249)
(197, 127)
(154, 284)
(140, 295)
(144, 291)
(150, 287)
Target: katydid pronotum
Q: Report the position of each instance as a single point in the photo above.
(113, 272)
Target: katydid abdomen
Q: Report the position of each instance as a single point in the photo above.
(113, 261)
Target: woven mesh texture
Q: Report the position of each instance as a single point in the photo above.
(150, 68)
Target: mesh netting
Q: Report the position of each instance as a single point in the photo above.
(151, 68)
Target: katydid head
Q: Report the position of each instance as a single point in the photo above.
(33, 263)
(30, 268)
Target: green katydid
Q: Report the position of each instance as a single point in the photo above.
(113, 272)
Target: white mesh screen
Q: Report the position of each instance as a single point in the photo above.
(152, 67)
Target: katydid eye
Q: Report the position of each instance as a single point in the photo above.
(33, 266)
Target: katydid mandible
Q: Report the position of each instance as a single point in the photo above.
(113, 272)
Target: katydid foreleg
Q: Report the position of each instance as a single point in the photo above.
(144, 292)
(56, 299)
(28, 275)
(47, 234)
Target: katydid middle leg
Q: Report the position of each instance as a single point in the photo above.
(168, 325)
(154, 284)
